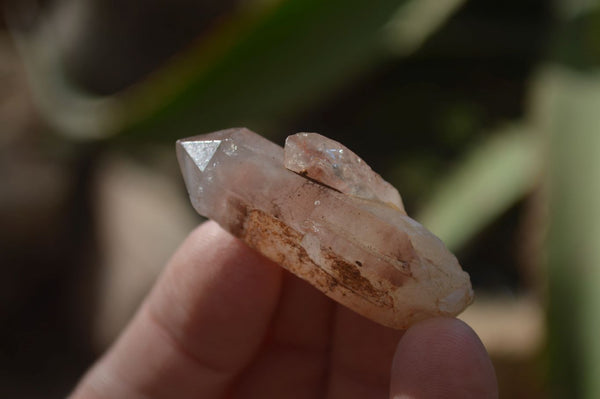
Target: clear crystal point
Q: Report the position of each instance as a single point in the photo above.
(346, 233)
(331, 163)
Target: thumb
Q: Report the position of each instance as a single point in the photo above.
(442, 358)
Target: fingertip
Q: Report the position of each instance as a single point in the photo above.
(211, 257)
(215, 281)
(202, 323)
(202, 237)
(442, 357)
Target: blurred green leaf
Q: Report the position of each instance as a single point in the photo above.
(568, 102)
(578, 39)
(415, 21)
(259, 67)
(490, 180)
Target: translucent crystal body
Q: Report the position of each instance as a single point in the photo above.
(334, 165)
(346, 234)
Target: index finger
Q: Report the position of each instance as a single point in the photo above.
(201, 324)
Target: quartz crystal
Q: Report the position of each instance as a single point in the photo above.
(332, 164)
(319, 211)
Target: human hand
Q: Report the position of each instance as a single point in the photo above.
(224, 322)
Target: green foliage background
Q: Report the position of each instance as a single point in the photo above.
(468, 107)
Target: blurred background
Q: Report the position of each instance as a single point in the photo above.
(484, 114)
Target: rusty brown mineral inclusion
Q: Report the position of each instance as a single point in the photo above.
(319, 211)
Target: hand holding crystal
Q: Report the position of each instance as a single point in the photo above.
(224, 322)
(318, 210)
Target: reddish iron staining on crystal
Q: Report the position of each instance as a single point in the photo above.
(326, 217)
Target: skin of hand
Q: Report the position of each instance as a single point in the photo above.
(222, 321)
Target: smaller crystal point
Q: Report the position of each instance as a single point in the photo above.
(331, 163)
(330, 220)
